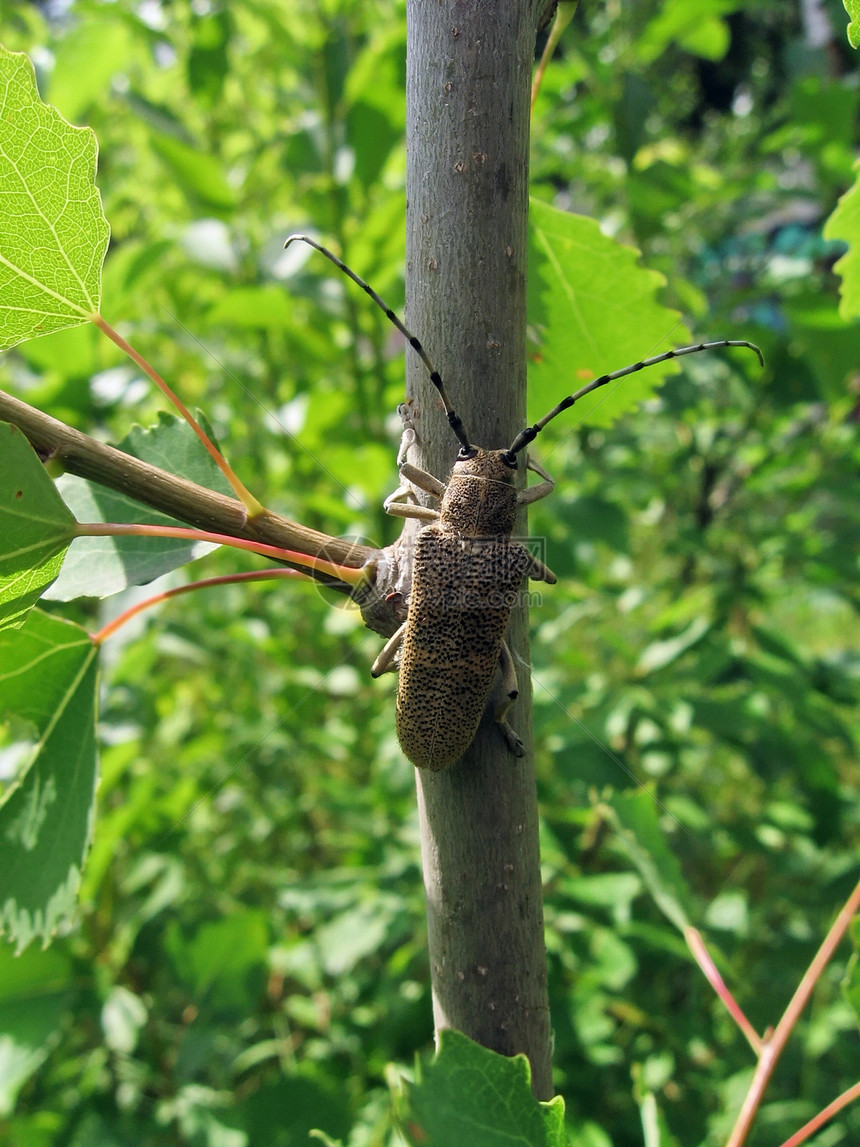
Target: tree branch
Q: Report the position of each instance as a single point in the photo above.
(468, 81)
(186, 501)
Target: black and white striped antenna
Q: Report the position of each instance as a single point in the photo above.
(531, 432)
(454, 420)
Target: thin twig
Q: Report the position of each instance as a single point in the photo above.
(773, 1045)
(251, 504)
(697, 946)
(205, 583)
(186, 501)
(823, 1116)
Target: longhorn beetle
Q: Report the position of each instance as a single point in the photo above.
(467, 571)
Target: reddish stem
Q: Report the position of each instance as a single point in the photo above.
(563, 16)
(252, 575)
(252, 506)
(822, 1117)
(773, 1045)
(347, 574)
(697, 946)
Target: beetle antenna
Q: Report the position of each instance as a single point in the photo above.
(454, 420)
(531, 432)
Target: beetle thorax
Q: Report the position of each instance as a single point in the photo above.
(481, 497)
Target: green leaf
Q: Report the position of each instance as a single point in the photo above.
(659, 654)
(289, 1110)
(48, 678)
(99, 567)
(222, 958)
(852, 7)
(636, 817)
(844, 223)
(471, 1095)
(200, 174)
(598, 312)
(264, 308)
(53, 233)
(35, 527)
(106, 45)
(33, 990)
(697, 28)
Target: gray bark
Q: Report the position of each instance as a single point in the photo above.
(468, 78)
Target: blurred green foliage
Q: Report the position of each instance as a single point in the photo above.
(251, 951)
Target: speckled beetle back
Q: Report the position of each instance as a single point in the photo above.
(481, 499)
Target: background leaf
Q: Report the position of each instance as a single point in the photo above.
(636, 817)
(31, 994)
(47, 679)
(53, 233)
(35, 525)
(99, 567)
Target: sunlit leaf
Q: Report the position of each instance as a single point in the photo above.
(202, 175)
(35, 527)
(659, 654)
(48, 680)
(844, 223)
(698, 28)
(597, 312)
(53, 233)
(852, 7)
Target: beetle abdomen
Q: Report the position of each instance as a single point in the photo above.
(463, 590)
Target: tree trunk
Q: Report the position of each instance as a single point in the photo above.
(468, 77)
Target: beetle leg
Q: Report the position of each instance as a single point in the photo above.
(411, 478)
(537, 571)
(535, 493)
(420, 478)
(509, 689)
(385, 662)
(408, 435)
(405, 510)
(423, 481)
(398, 509)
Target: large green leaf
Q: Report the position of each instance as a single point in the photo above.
(53, 233)
(35, 527)
(98, 567)
(597, 311)
(48, 681)
(471, 1095)
(844, 223)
